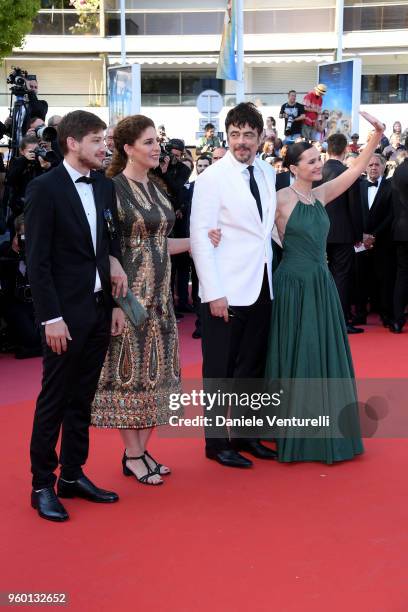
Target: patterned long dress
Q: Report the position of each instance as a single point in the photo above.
(142, 368)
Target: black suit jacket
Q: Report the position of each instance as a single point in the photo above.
(345, 214)
(282, 180)
(61, 259)
(399, 183)
(378, 219)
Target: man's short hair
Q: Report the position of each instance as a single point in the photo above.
(380, 157)
(51, 120)
(336, 144)
(291, 91)
(204, 158)
(78, 124)
(27, 140)
(245, 113)
(33, 119)
(209, 126)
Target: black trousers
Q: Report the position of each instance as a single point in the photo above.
(340, 261)
(401, 282)
(234, 350)
(68, 388)
(375, 278)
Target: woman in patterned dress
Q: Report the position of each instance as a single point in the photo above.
(142, 366)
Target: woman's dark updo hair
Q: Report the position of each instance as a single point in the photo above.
(126, 132)
(295, 152)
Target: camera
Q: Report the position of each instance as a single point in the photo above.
(289, 124)
(165, 151)
(46, 133)
(42, 152)
(17, 80)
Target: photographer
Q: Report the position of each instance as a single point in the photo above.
(294, 114)
(23, 169)
(208, 142)
(16, 301)
(172, 170)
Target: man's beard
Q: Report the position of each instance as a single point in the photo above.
(238, 151)
(94, 164)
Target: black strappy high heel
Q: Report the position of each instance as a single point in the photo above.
(143, 479)
(158, 465)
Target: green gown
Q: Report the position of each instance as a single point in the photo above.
(309, 355)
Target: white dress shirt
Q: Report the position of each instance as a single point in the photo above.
(86, 196)
(260, 180)
(372, 192)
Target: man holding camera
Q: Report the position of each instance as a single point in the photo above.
(294, 114)
(23, 169)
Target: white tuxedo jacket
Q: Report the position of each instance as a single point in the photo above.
(222, 199)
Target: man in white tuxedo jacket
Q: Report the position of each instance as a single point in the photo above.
(236, 195)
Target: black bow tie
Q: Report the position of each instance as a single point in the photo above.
(373, 184)
(85, 179)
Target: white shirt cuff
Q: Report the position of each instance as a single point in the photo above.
(52, 321)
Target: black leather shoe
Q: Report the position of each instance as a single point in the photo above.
(359, 320)
(255, 448)
(395, 328)
(229, 458)
(354, 330)
(196, 334)
(48, 505)
(386, 321)
(84, 488)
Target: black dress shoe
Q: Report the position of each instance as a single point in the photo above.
(84, 488)
(386, 321)
(229, 458)
(255, 448)
(354, 330)
(48, 505)
(396, 328)
(359, 320)
(196, 334)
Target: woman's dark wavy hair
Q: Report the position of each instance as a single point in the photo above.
(295, 152)
(127, 131)
(245, 113)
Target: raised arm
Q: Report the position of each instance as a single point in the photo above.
(332, 189)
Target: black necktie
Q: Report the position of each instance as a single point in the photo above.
(85, 179)
(373, 184)
(253, 185)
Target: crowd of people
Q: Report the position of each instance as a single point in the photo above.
(122, 213)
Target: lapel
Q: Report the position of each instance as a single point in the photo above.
(242, 187)
(364, 199)
(98, 192)
(272, 197)
(71, 194)
(378, 195)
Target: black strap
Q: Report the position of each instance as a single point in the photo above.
(253, 185)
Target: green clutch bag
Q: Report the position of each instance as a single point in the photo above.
(132, 308)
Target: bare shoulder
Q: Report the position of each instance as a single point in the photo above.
(285, 202)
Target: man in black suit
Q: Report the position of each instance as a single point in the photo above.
(400, 237)
(73, 266)
(375, 267)
(346, 226)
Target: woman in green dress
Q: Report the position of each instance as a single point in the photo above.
(308, 351)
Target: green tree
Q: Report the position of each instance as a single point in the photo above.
(16, 20)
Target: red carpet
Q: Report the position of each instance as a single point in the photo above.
(285, 538)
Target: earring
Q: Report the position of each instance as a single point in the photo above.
(131, 160)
